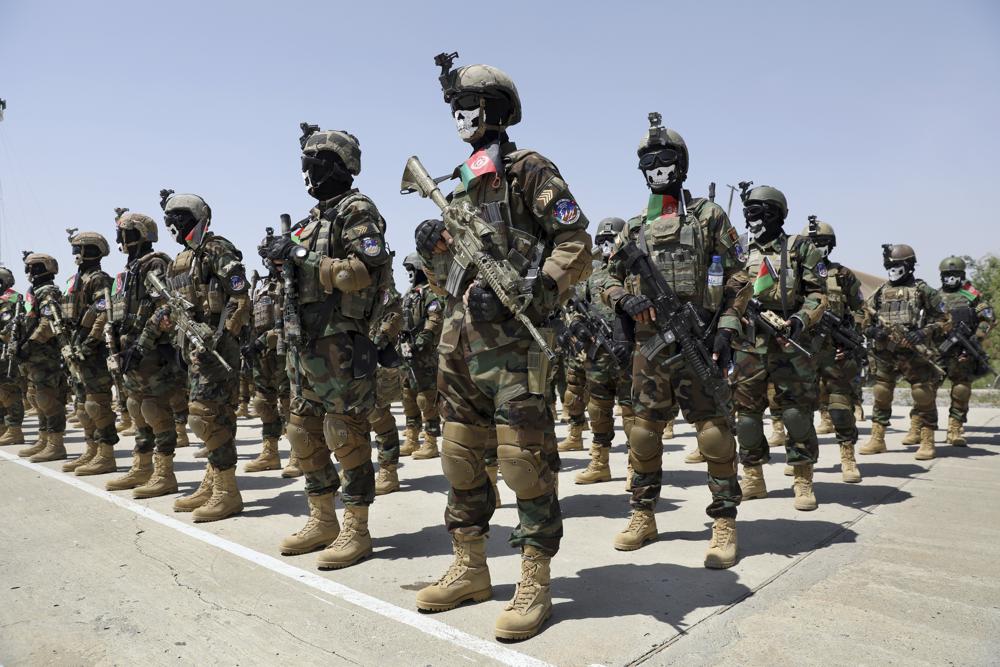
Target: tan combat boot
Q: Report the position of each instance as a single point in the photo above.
(83, 459)
(225, 500)
(531, 606)
(668, 430)
(387, 480)
(825, 424)
(320, 530)
(598, 469)
(752, 483)
(876, 443)
(292, 469)
(641, 528)
(467, 578)
(35, 447)
(695, 455)
(805, 499)
(428, 450)
(926, 451)
(12, 436)
(102, 463)
(956, 433)
(629, 471)
(162, 481)
(492, 472)
(124, 423)
(268, 458)
(244, 411)
(849, 471)
(912, 436)
(789, 471)
(352, 545)
(200, 496)
(410, 440)
(574, 439)
(859, 413)
(779, 436)
(137, 475)
(721, 552)
(74, 418)
(182, 436)
(54, 450)
(201, 453)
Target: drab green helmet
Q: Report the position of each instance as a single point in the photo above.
(6, 278)
(820, 232)
(609, 227)
(657, 137)
(344, 144)
(414, 262)
(765, 193)
(485, 81)
(953, 263)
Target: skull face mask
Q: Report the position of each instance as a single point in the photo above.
(896, 272)
(468, 122)
(660, 169)
(606, 246)
(951, 281)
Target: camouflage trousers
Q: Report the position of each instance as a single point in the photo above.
(657, 393)
(150, 391)
(44, 370)
(923, 379)
(96, 414)
(381, 419)
(502, 389)
(607, 384)
(213, 393)
(837, 378)
(795, 399)
(575, 395)
(961, 374)
(331, 416)
(271, 392)
(420, 395)
(11, 402)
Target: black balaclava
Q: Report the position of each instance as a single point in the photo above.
(326, 176)
(662, 168)
(764, 221)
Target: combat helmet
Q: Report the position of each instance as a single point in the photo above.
(609, 227)
(820, 233)
(472, 86)
(6, 279)
(84, 244)
(953, 264)
(339, 142)
(413, 261)
(143, 226)
(175, 205)
(765, 194)
(48, 263)
(659, 136)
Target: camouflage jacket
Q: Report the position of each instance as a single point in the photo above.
(85, 308)
(804, 282)
(387, 318)
(11, 318)
(968, 305)
(843, 291)
(342, 280)
(536, 223)
(132, 305)
(423, 316)
(911, 305)
(40, 332)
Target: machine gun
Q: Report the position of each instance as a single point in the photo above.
(291, 323)
(677, 322)
(772, 325)
(468, 250)
(180, 310)
(843, 334)
(961, 341)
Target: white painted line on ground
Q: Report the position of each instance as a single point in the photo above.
(413, 619)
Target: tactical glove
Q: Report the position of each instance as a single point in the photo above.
(795, 328)
(280, 248)
(428, 234)
(634, 305)
(916, 337)
(722, 348)
(485, 306)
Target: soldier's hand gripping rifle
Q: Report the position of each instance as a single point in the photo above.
(600, 332)
(13, 330)
(70, 354)
(197, 334)
(292, 324)
(896, 334)
(843, 334)
(772, 325)
(961, 341)
(114, 347)
(468, 250)
(677, 322)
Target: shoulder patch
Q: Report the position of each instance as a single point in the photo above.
(237, 283)
(987, 313)
(101, 305)
(566, 211)
(434, 306)
(821, 270)
(372, 247)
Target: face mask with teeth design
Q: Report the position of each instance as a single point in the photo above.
(607, 247)
(467, 122)
(660, 176)
(896, 272)
(951, 281)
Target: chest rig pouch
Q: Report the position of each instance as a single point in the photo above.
(70, 299)
(786, 264)
(413, 310)
(835, 293)
(677, 249)
(900, 306)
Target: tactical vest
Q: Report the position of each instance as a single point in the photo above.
(835, 295)
(771, 297)
(955, 300)
(267, 305)
(192, 278)
(130, 305)
(325, 237)
(414, 313)
(80, 302)
(901, 305)
(677, 247)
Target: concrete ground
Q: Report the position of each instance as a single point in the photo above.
(899, 569)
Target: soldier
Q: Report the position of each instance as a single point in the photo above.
(574, 401)
(40, 357)
(687, 239)
(609, 376)
(423, 312)
(491, 371)
(901, 317)
(267, 354)
(784, 280)
(150, 370)
(838, 368)
(387, 321)
(965, 305)
(85, 310)
(341, 266)
(209, 275)
(11, 392)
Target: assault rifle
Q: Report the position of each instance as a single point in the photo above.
(677, 322)
(772, 325)
(197, 333)
(843, 334)
(291, 323)
(70, 354)
(897, 335)
(961, 341)
(598, 333)
(114, 347)
(16, 329)
(468, 250)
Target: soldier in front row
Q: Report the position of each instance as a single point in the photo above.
(11, 390)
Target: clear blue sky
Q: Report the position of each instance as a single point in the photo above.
(880, 117)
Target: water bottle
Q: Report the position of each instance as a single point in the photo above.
(715, 280)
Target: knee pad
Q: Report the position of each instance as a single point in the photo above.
(961, 392)
(157, 415)
(715, 441)
(573, 401)
(750, 429)
(203, 418)
(265, 408)
(48, 401)
(410, 407)
(840, 402)
(923, 395)
(463, 466)
(601, 411)
(522, 461)
(382, 421)
(882, 395)
(628, 420)
(98, 407)
(798, 422)
(645, 445)
(842, 418)
(305, 434)
(347, 438)
(134, 406)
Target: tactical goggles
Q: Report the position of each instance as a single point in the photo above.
(464, 101)
(661, 158)
(760, 211)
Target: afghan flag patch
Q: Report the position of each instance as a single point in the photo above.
(10, 295)
(71, 283)
(766, 277)
(660, 206)
(481, 162)
(296, 235)
(119, 284)
(970, 292)
(29, 302)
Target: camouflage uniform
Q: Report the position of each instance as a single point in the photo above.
(272, 387)
(682, 248)
(965, 304)
(42, 363)
(421, 333)
(386, 323)
(11, 390)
